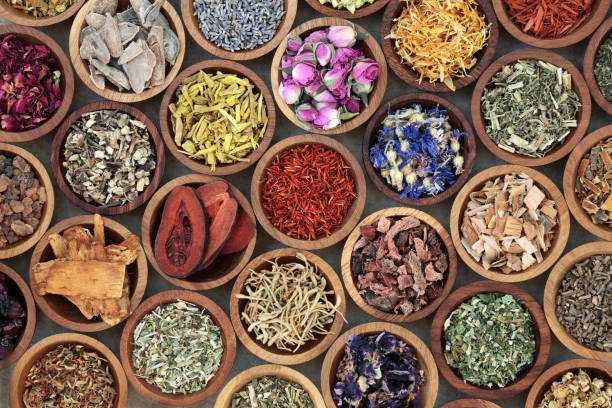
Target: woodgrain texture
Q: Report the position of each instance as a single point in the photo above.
(457, 120)
(59, 171)
(24, 19)
(578, 85)
(20, 290)
(354, 212)
(569, 183)
(61, 310)
(212, 66)
(111, 92)
(552, 192)
(193, 27)
(364, 11)
(19, 247)
(553, 283)
(29, 35)
(38, 350)
(470, 403)
(218, 317)
(312, 348)
(350, 280)
(425, 360)
(370, 48)
(589, 64)
(411, 77)
(224, 400)
(525, 377)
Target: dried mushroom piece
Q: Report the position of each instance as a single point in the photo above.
(593, 182)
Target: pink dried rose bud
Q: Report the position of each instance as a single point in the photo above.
(290, 91)
(342, 36)
(362, 88)
(294, 43)
(346, 56)
(286, 65)
(327, 119)
(316, 37)
(365, 71)
(324, 53)
(352, 106)
(306, 112)
(335, 77)
(304, 74)
(306, 57)
(324, 96)
(315, 87)
(321, 105)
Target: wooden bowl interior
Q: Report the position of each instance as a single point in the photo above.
(344, 13)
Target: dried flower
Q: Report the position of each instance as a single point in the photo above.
(578, 391)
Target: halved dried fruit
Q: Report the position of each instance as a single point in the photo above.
(241, 235)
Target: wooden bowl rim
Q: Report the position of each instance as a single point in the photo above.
(344, 13)
(220, 319)
(270, 354)
(374, 98)
(541, 330)
(223, 66)
(160, 195)
(589, 64)
(468, 144)
(578, 85)
(25, 19)
(349, 279)
(48, 344)
(552, 192)
(95, 324)
(59, 141)
(470, 403)
(354, 212)
(67, 78)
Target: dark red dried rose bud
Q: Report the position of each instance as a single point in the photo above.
(15, 309)
(12, 329)
(6, 347)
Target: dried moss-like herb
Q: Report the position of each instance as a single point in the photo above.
(603, 68)
(270, 392)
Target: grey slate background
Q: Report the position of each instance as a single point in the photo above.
(375, 201)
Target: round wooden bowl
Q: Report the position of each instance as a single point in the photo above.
(353, 215)
(411, 77)
(29, 35)
(425, 360)
(470, 403)
(596, 369)
(191, 22)
(224, 400)
(312, 348)
(569, 183)
(19, 289)
(19, 247)
(578, 85)
(589, 63)
(364, 11)
(598, 13)
(48, 344)
(350, 280)
(229, 67)
(25, 19)
(457, 120)
(552, 192)
(553, 283)
(61, 310)
(218, 317)
(111, 92)
(225, 267)
(59, 171)
(371, 50)
(525, 377)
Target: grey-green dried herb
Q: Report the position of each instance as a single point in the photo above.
(603, 68)
(529, 107)
(489, 339)
(578, 391)
(177, 348)
(269, 392)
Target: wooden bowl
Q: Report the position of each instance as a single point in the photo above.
(312, 348)
(218, 317)
(353, 215)
(470, 403)
(371, 50)
(553, 283)
(59, 171)
(457, 120)
(350, 281)
(29, 35)
(226, 67)
(525, 377)
(411, 77)
(344, 13)
(425, 360)
(598, 13)
(61, 310)
(191, 22)
(111, 92)
(578, 85)
(19, 247)
(589, 63)
(569, 183)
(19, 289)
(225, 267)
(48, 344)
(552, 192)
(224, 400)
(24, 19)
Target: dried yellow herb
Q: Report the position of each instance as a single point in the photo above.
(41, 8)
(578, 391)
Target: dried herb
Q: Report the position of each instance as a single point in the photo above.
(593, 182)
(270, 392)
(350, 5)
(177, 347)
(529, 107)
(584, 302)
(70, 376)
(578, 391)
(548, 18)
(12, 318)
(41, 8)
(399, 264)
(603, 68)
(489, 339)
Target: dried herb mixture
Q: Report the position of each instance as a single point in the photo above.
(603, 68)
(270, 392)
(41, 8)
(12, 318)
(593, 182)
(350, 5)
(578, 390)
